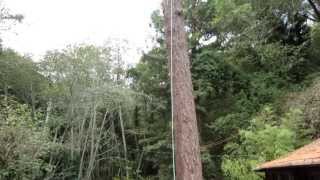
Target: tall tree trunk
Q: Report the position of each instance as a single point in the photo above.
(33, 106)
(124, 142)
(92, 147)
(71, 118)
(48, 111)
(188, 161)
(6, 94)
(49, 106)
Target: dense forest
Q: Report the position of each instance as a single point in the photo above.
(81, 113)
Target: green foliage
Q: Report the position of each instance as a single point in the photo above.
(150, 76)
(244, 55)
(20, 75)
(265, 140)
(283, 62)
(232, 16)
(60, 118)
(259, 144)
(315, 38)
(24, 144)
(87, 91)
(213, 76)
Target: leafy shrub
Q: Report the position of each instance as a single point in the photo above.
(23, 144)
(269, 137)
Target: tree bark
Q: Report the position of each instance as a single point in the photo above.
(124, 142)
(315, 8)
(48, 111)
(188, 161)
(6, 94)
(33, 106)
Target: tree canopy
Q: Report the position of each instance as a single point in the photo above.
(81, 113)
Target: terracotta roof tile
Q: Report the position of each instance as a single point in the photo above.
(306, 155)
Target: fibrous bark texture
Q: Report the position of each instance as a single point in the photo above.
(188, 161)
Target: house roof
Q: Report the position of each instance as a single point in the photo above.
(308, 155)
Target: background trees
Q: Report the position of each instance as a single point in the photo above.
(80, 113)
(245, 56)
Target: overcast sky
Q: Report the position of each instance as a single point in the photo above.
(53, 24)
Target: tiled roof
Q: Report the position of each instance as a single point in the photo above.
(305, 156)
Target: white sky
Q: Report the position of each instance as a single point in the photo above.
(54, 24)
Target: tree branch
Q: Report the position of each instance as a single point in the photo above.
(315, 9)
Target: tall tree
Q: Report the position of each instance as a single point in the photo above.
(188, 161)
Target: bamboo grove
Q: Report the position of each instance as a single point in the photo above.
(82, 113)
